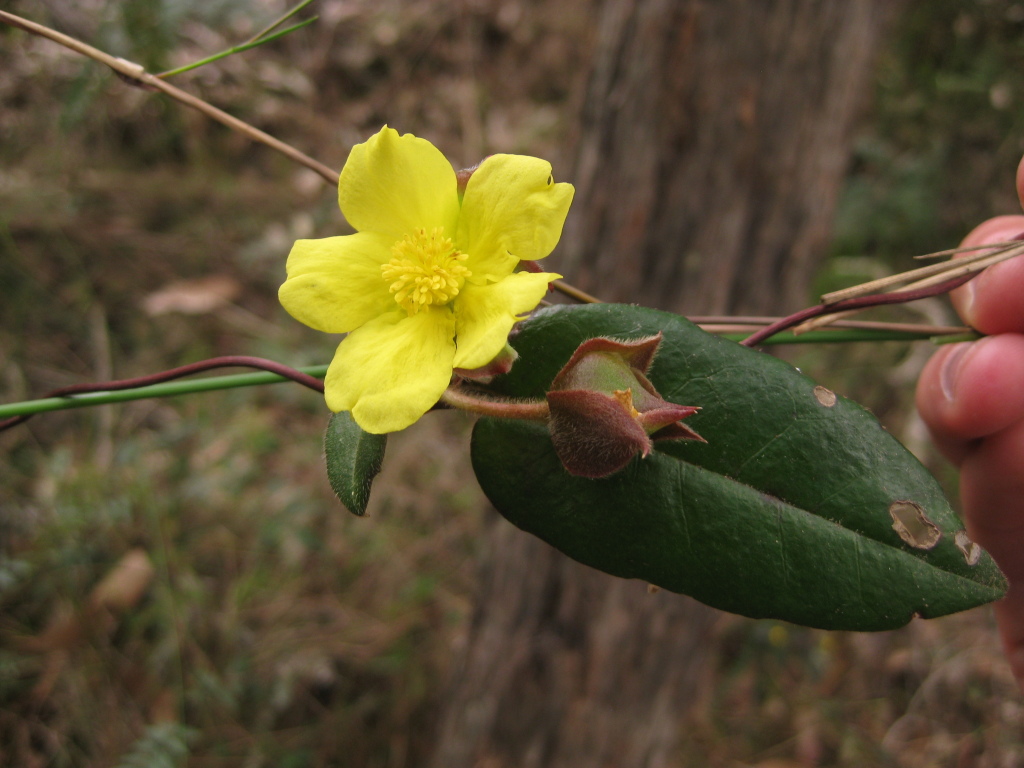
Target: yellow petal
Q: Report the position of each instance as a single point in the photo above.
(484, 314)
(335, 284)
(395, 184)
(512, 210)
(392, 370)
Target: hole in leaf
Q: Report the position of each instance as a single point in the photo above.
(913, 525)
(972, 552)
(825, 396)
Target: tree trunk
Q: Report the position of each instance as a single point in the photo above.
(712, 144)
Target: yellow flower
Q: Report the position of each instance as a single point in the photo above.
(426, 285)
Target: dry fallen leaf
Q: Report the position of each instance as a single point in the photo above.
(121, 589)
(192, 297)
(124, 586)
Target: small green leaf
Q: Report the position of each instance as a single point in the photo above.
(799, 507)
(353, 460)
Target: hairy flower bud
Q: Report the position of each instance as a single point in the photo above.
(604, 410)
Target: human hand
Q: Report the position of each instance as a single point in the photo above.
(971, 396)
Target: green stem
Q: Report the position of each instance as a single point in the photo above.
(458, 398)
(839, 336)
(168, 389)
(235, 49)
(278, 22)
(956, 338)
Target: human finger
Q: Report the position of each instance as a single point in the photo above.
(993, 302)
(1020, 182)
(992, 490)
(971, 390)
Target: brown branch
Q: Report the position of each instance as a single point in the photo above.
(136, 75)
(574, 293)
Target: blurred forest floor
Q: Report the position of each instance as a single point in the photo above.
(176, 577)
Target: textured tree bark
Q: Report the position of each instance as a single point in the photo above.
(712, 144)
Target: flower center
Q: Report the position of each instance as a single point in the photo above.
(625, 398)
(425, 270)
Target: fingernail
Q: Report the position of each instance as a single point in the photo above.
(967, 301)
(950, 371)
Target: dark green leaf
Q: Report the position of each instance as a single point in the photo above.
(789, 511)
(353, 460)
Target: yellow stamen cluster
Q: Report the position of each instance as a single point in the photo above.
(625, 398)
(425, 270)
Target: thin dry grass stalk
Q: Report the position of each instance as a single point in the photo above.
(923, 277)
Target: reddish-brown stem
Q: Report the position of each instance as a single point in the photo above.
(458, 396)
(859, 302)
(228, 361)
